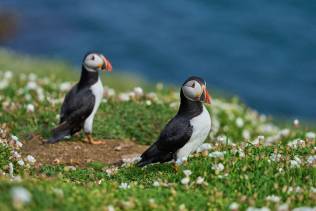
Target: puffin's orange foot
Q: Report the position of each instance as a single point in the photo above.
(90, 140)
(175, 167)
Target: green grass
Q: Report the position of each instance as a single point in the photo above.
(247, 180)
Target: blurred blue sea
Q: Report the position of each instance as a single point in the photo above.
(264, 50)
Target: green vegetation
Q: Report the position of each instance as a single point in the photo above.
(251, 161)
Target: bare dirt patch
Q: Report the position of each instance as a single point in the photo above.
(78, 153)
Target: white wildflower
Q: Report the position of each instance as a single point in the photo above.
(108, 92)
(239, 122)
(199, 180)
(174, 105)
(185, 181)
(310, 136)
(273, 198)
(18, 144)
(257, 209)
(295, 163)
(148, 102)
(222, 139)
(40, 94)
(21, 163)
(246, 134)
(111, 171)
(131, 95)
(16, 154)
(217, 154)
(124, 97)
(124, 185)
(130, 158)
(241, 153)
(14, 138)
(305, 209)
(20, 196)
(218, 167)
(275, 157)
(31, 85)
(296, 143)
(285, 132)
(283, 207)
(3, 84)
(182, 207)
(152, 96)
(234, 206)
(30, 108)
(187, 172)
(296, 123)
(11, 170)
(8, 75)
(110, 208)
(298, 189)
(70, 168)
(311, 160)
(30, 159)
(138, 91)
(259, 140)
(65, 86)
(156, 184)
(268, 128)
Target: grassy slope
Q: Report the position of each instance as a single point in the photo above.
(247, 180)
(60, 71)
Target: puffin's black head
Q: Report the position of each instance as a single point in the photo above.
(194, 89)
(96, 61)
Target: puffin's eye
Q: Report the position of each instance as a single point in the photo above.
(193, 85)
(92, 57)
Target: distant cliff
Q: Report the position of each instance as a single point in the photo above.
(8, 25)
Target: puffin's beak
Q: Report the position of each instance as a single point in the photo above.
(106, 64)
(208, 98)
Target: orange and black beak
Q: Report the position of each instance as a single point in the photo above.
(106, 66)
(207, 97)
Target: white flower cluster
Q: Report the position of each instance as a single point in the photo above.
(20, 196)
(136, 94)
(13, 143)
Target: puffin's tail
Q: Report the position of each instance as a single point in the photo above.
(59, 133)
(153, 155)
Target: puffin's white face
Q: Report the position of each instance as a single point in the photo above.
(94, 62)
(192, 90)
(195, 91)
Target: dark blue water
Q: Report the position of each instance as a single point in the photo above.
(264, 51)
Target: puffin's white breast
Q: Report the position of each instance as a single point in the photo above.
(97, 91)
(201, 128)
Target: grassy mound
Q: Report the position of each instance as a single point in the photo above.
(250, 161)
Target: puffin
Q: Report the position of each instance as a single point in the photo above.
(82, 101)
(184, 133)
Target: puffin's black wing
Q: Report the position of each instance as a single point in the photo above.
(68, 105)
(173, 137)
(77, 106)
